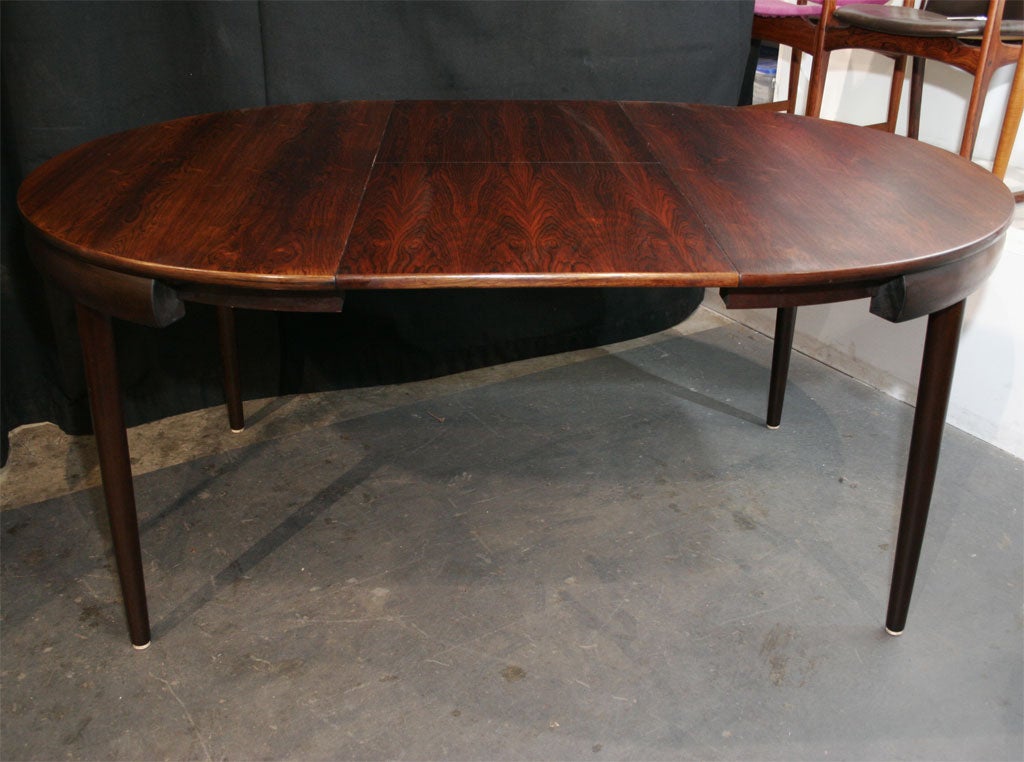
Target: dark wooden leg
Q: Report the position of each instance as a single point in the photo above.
(785, 323)
(98, 353)
(940, 348)
(916, 93)
(229, 362)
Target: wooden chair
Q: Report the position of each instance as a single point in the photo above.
(976, 36)
(803, 26)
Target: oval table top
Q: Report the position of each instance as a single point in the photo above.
(335, 196)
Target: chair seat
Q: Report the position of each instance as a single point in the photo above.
(1010, 30)
(908, 22)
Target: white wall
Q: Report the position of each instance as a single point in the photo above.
(988, 389)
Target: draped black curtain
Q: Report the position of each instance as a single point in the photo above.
(73, 71)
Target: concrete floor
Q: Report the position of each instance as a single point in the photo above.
(600, 555)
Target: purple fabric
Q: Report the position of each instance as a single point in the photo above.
(790, 8)
(783, 8)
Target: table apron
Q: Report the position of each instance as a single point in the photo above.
(898, 299)
(133, 298)
(924, 293)
(147, 301)
(264, 299)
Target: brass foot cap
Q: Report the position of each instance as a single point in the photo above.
(143, 647)
(772, 428)
(893, 632)
(238, 431)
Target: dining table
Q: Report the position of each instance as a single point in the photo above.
(290, 207)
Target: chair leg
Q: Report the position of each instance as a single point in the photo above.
(974, 108)
(229, 362)
(816, 88)
(785, 324)
(1011, 121)
(916, 91)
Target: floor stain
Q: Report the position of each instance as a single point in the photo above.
(512, 673)
(775, 643)
(91, 615)
(283, 667)
(743, 521)
(787, 658)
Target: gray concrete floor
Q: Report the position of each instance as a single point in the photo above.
(600, 555)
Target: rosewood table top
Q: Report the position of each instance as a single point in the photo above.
(319, 197)
(288, 207)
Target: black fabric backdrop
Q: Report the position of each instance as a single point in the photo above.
(73, 71)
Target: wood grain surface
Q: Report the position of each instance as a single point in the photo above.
(322, 197)
(264, 197)
(527, 223)
(512, 131)
(798, 201)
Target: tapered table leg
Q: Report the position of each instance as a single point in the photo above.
(785, 324)
(940, 349)
(229, 364)
(97, 337)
